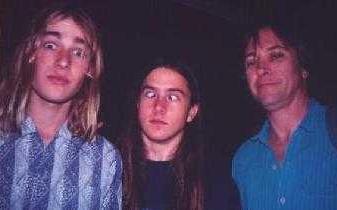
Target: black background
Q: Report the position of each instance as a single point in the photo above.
(205, 33)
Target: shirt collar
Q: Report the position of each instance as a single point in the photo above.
(263, 134)
(28, 127)
(307, 124)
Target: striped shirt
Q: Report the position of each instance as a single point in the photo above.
(68, 173)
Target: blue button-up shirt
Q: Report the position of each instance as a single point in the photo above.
(307, 177)
(69, 173)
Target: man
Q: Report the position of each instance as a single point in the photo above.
(50, 154)
(291, 163)
(163, 151)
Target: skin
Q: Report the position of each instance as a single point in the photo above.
(164, 109)
(277, 81)
(61, 62)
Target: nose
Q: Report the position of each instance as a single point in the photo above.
(262, 67)
(63, 59)
(160, 105)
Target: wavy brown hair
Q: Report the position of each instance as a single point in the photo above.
(188, 161)
(15, 90)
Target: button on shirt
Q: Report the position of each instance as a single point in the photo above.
(69, 173)
(305, 180)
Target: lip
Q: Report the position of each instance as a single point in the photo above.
(265, 84)
(158, 122)
(58, 80)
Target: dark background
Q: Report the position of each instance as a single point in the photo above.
(206, 33)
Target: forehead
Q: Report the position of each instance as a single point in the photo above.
(166, 78)
(66, 27)
(265, 38)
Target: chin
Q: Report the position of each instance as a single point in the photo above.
(58, 99)
(273, 105)
(160, 139)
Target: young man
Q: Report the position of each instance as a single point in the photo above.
(290, 163)
(50, 154)
(163, 152)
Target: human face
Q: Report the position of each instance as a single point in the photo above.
(164, 106)
(273, 73)
(61, 61)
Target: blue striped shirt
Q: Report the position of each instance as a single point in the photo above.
(307, 177)
(68, 173)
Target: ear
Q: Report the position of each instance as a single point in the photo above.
(137, 105)
(89, 71)
(88, 74)
(192, 113)
(32, 52)
(305, 74)
(31, 58)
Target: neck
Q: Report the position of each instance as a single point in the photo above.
(285, 120)
(161, 150)
(48, 117)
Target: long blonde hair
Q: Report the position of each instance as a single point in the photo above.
(15, 90)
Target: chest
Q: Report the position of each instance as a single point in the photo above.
(307, 175)
(279, 148)
(158, 187)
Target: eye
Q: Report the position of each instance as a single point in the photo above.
(49, 45)
(250, 61)
(149, 94)
(276, 55)
(79, 52)
(173, 98)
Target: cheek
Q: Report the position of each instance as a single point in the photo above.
(79, 74)
(79, 71)
(179, 113)
(143, 110)
(251, 81)
(288, 74)
(38, 77)
(43, 58)
(80, 78)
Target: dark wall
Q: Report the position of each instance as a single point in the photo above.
(134, 31)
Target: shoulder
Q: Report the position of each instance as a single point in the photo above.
(108, 149)
(244, 156)
(6, 138)
(316, 111)
(245, 150)
(253, 145)
(103, 149)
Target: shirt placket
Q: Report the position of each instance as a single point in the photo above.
(284, 190)
(279, 173)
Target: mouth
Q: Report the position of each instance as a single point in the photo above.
(58, 80)
(158, 122)
(266, 84)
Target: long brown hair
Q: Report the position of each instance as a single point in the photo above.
(16, 89)
(188, 161)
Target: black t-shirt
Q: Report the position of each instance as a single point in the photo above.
(158, 189)
(220, 192)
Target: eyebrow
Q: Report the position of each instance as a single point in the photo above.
(169, 89)
(52, 33)
(252, 53)
(58, 35)
(277, 47)
(177, 90)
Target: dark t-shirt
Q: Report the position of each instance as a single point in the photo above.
(220, 192)
(158, 190)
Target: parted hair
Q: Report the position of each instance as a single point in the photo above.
(288, 33)
(188, 159)
(16, 88)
